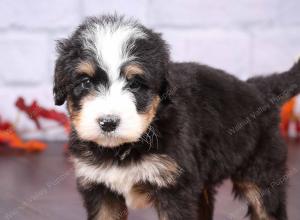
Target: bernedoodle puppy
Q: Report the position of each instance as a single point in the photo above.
(150, 132)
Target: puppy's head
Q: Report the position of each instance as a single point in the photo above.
(111, 72)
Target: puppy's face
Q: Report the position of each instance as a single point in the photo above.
(111, 72)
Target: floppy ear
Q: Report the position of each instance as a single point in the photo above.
(59, 89)
(61, 79)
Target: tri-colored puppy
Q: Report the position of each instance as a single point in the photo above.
(150, 132)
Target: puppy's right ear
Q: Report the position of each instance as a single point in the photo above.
(59, 90)
(61, 78)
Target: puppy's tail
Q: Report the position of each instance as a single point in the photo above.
(280, 87)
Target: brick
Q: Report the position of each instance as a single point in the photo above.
(228, 50)
(207, 12)
(23, 57)
(130, 8)
(39, 14)
(43, 94)
(275, 49)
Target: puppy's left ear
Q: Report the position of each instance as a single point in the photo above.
(61, 79)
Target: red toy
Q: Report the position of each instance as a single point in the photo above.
(35, 111)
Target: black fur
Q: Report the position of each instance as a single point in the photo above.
(214, 125)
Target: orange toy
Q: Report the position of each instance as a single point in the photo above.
(9, 136)
(14, 141)
(35, 112)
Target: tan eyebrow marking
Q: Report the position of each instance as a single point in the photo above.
(86, 68)
(133, 69)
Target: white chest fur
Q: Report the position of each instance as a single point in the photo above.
(158, 170)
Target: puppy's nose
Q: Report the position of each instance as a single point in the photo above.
(109, 123)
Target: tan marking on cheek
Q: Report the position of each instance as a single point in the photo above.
(133, 69)
(86, 68)
(70, 105)
(75, 119)
(75, 116)
(253, 195)
(150, 113)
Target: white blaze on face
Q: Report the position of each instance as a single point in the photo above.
(113, 48)
(110, 44)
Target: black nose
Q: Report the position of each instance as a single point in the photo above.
(109, 123)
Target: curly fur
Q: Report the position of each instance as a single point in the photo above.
(207, 126)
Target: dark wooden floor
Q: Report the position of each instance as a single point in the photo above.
(41, 187)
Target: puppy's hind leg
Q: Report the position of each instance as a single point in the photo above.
(267, 204)
(252, 194)
(262, 179)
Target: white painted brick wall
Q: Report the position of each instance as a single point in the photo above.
(207, 13)
(23, 57)
(275, 49)
(289, 12)
(243, 37)
(132, 8)
(227, 49)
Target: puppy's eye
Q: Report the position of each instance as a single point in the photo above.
(85, 83)
(134, 84)
(82, 85)
(137, 83)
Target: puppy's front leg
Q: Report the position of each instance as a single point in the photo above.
(101, 203)
(178, 204)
